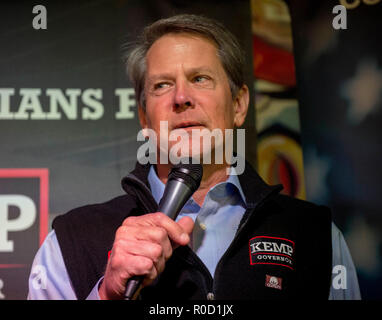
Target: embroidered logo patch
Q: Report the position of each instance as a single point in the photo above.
(271, 250)
(273, 282)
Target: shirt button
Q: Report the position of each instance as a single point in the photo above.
(210, 296)
(203, 226)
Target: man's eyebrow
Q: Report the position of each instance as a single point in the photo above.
(200, 70)
(156, 77)
(190, 71)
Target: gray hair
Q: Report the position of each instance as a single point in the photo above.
(229, 51)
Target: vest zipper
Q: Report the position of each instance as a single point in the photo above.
(238, 233)
(193, 260)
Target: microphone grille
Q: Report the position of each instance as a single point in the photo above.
(190, 173)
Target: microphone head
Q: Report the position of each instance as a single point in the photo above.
(189, 173)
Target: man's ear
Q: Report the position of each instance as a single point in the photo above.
(241, 103)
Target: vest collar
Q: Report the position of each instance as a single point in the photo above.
(254, 188)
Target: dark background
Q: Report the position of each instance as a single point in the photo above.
(339, 76)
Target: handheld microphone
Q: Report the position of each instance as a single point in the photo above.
(183, 180)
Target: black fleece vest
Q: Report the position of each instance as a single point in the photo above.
(282, 248)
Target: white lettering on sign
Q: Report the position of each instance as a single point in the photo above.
(73, 103)
(59, 99)
(25, 219)
(126, 102)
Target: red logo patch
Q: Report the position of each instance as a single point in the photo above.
(273, 282)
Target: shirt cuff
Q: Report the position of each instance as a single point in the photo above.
(94, 295)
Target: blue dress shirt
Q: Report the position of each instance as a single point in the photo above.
(216, 222)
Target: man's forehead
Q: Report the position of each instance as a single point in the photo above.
(186, 34)
(163, 42)
(202, 62)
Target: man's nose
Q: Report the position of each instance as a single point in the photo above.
(183, 96)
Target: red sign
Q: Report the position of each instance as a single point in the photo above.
(24, 213)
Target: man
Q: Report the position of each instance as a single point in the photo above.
(237, 238)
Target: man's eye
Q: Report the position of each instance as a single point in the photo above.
(200, 78)
(161, 85)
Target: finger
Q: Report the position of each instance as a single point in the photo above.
(147, 249)
(140, 266)
(127, 253)
(159, 236)
(187, 224)
(175, 232)
(144, 267)
(154, 234)
(125, 265)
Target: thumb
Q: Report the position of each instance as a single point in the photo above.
(187, 224)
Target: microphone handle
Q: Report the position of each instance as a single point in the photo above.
(174, 198)
(176, 194)
(132, 286)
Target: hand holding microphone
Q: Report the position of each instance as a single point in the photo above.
(143, 244)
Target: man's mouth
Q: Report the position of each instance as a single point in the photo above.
(187, 124)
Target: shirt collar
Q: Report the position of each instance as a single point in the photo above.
(157, 186)
(233, 178)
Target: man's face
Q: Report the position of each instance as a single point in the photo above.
(187, 86)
